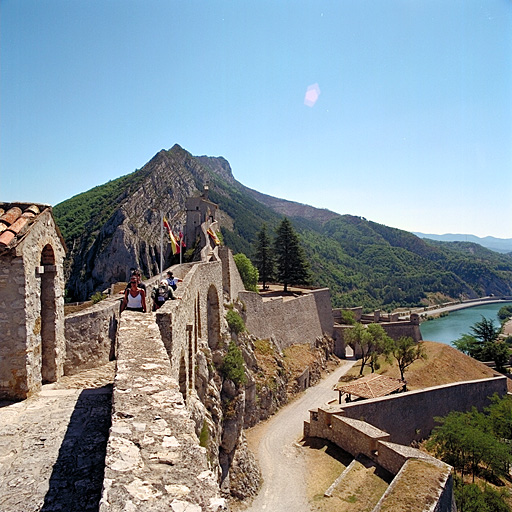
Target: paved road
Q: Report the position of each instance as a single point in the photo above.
(280, 457)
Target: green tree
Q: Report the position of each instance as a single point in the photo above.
(371, 340)
(406, 351)
(467, 344)
(235, 321)
(485, 330)
(500, 415)
(505, 312)
(248, 272)
(292, 266)
(380, 344)
(483, 343)
(264, 256)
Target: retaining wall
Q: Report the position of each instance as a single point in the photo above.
(298, 320)
(410, 416)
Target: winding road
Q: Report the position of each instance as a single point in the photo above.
(280, 456)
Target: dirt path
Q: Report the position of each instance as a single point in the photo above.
(280, 456)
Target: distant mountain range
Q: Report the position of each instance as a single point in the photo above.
(503, 245)
(115, 226)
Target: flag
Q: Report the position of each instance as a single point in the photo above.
(174, 244)
(214, 236)
(182, 243)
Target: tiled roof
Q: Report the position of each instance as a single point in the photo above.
(15, 220)
(371, 386)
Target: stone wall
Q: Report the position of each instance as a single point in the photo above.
(154, 460)
(32, 311)
(410, 416)
(197, 316)
(298, 320)
(232, 282)
(91, 336)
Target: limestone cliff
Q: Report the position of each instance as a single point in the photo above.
(130, 237)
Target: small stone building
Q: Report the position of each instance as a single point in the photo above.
(32, 342)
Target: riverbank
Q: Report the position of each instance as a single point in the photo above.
(438, 310)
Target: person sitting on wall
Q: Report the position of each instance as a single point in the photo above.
(134, 297)
(160, 294)
(173, 281)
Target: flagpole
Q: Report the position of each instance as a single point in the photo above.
(181, 245)
(161, 244)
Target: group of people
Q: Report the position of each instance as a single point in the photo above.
(134, 298)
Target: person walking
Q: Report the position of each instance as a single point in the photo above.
(134, 297)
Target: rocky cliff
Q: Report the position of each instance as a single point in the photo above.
(105, 250)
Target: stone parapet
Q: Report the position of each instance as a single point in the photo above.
(154, 461)
(91, 336)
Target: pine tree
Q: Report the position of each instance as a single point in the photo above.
(292, 266)
(264, 256)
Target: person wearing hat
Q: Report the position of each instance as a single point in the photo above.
(172, 281)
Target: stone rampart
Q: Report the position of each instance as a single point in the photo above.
(232, 282)
(197, 316)
(91, 336)
(298, 320)
(154, 460)
(410, 416)
(358, 437)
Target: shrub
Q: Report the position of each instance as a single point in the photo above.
(98, 297)
(235, 321)
(248, 272)
(204, 436)
(233, 365)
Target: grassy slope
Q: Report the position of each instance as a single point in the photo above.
(444, 364)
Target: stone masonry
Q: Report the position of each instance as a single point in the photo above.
(31, 300)
(154, 461)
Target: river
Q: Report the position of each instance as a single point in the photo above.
(450, 328)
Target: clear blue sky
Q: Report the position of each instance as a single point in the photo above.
(412, 127)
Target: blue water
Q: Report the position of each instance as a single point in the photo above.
(452, 327)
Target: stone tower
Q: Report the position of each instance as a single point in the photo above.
(32, 342)
(201, 215)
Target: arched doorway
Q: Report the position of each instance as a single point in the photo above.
(48, 316)
(213, 313)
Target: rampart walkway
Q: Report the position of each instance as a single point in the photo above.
(52, 447)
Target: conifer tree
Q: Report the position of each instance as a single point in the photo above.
(264, 256)
(292, 266)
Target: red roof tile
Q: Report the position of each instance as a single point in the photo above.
(15, 220)
(370, 386)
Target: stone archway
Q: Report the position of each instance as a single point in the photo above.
(48, 316)
(213, 317)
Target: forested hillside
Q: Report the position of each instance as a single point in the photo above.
(362, 262)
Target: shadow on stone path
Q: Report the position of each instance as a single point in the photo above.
(52, 448)
(77, 476)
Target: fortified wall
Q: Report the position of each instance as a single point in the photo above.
(394, 327)
(298, 320)
(382, 429)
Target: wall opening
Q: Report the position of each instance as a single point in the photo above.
(213, 313)
(183, 377)
(48, 316)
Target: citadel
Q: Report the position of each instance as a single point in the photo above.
(172, 443)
